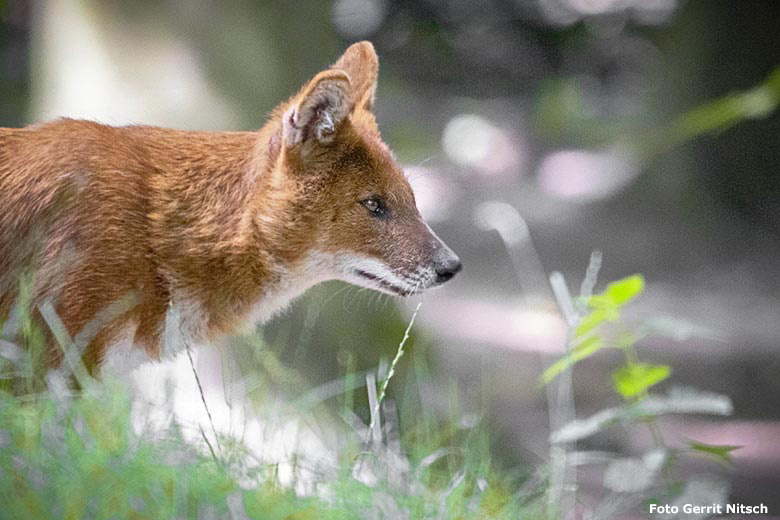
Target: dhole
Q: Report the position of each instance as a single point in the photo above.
(200, 232)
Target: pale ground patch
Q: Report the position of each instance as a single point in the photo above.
(167, 392)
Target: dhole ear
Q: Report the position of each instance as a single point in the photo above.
(321, 107)
(361, 63)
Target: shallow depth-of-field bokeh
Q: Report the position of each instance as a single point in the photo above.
(534, 133)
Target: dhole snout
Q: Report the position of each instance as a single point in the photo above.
(427, 263)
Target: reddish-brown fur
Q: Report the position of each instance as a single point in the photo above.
(98, 213)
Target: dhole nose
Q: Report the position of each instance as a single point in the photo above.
(446, 264)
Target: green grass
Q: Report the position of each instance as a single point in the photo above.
(68, 454)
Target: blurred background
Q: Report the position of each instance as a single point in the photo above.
(534, 132)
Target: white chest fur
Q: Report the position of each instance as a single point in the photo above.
(186, 322)
(317, 267)
(122, 355)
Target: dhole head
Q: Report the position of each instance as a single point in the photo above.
(351, 194)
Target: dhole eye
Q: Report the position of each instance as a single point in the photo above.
(375, 206)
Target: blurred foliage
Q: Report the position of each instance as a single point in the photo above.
(81, 454)
(14, 67)
(602, 309)
(334, 331)
(720, 452)
(561, 112)
(80, 459)
(717, 116)
(598, 323)
(633, 379)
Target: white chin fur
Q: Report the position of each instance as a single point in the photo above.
(374, 274)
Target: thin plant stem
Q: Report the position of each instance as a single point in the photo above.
(561, 497)
(203, 400)
(399, 353)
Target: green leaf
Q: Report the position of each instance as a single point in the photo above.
(621, 292)
(594, 319)
(581, 350)
(606, 306)
(720, 452)
(635, 378)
